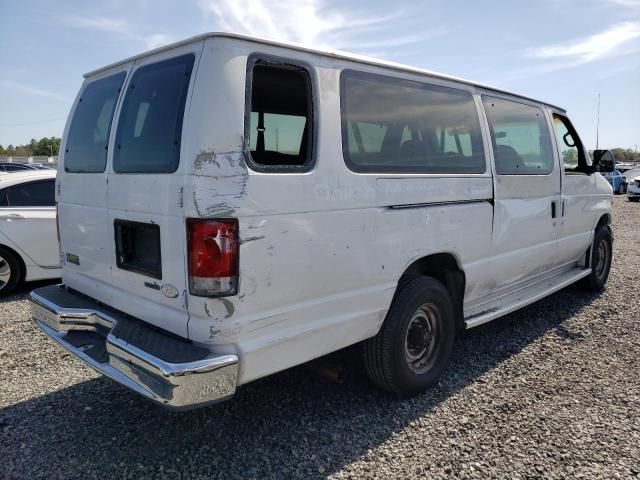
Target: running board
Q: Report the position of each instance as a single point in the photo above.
(525, 296)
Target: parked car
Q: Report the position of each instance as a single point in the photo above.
(252, 205)
(616, 180)
(15, 167)
(28, 239)
(632, 178)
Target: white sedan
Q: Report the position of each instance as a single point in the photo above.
(28, 238)
(632, 178)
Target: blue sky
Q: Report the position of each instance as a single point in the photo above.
(561, 51)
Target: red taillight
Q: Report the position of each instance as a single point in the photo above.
(213, 257)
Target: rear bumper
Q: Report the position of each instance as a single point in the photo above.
(157, 365)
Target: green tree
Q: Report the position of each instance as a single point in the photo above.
(570, 156)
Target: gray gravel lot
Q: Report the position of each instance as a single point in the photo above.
(550, 391)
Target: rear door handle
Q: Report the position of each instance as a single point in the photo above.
(553, 209)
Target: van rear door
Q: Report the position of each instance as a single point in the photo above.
(144, 194)
(81, 191)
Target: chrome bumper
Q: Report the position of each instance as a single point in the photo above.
(89, 331)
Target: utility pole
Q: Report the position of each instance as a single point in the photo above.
(598, 123)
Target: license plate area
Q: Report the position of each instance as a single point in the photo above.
(138, 247)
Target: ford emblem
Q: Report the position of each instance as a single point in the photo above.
(169, 290)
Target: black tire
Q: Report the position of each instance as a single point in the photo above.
(633, 199)
(601, 257)
(409, 330)
(10, 271)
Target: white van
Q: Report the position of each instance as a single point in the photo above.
(230, 207)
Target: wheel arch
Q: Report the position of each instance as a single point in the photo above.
(444, 267)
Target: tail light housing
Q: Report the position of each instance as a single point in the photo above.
(212, 246)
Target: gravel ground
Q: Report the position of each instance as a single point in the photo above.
(550, 391)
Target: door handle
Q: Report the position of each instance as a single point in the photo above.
(12, 216)
(553, 209)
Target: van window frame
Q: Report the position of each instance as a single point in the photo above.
(490, 132)
(585, 165)
(359, 169)
(112, 121)
(312, 107)
(183, 110)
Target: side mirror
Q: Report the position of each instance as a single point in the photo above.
(603, 161)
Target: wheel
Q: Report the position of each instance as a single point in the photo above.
(413, 346)
(601, 256)
(10, 271)
(633, 199)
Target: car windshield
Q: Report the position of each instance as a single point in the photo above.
(633, 173)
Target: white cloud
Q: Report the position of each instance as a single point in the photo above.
(310, 23)
(594, 47)
(29, 90)
(118, 27)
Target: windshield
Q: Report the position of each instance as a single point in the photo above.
(633, 173)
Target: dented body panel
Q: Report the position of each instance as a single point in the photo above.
(321, 251)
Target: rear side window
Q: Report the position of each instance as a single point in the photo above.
(395, 125)
(86, 148)
(279, 124)
(520, 137)
(32, 194)
(150, 124)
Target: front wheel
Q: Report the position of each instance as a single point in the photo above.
(412, 348)
(601, 257)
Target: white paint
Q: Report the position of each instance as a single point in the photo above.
(321, 252)
(31, 231)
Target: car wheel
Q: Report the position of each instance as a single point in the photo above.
(414, 344)
(633, 199)
(601, 257)
(10, 271)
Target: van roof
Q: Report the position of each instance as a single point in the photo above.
(327, 53)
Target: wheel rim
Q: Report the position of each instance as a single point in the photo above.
(601, 259)
(422, 338)
(5, 272)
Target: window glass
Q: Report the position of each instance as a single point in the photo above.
(33, 194)
(569, 146)
(86, 147)
(150, 124)
(280, 118)
(394, 125)
(521, 141)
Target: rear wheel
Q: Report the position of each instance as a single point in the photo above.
(10, 271)
(412, 348)
(601, 257)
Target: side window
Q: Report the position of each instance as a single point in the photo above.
(86, 146)
(569, 146)
(150, 124)
(401, 126)
(32, 194)
(279, 129)
(520, 137)
(3, 198)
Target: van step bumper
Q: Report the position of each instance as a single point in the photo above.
(163, 368)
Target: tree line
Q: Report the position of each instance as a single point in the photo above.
(48, 147)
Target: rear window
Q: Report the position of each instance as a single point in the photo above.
(86, 148)
(32, 194)
(395, 125)
(150, 124)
